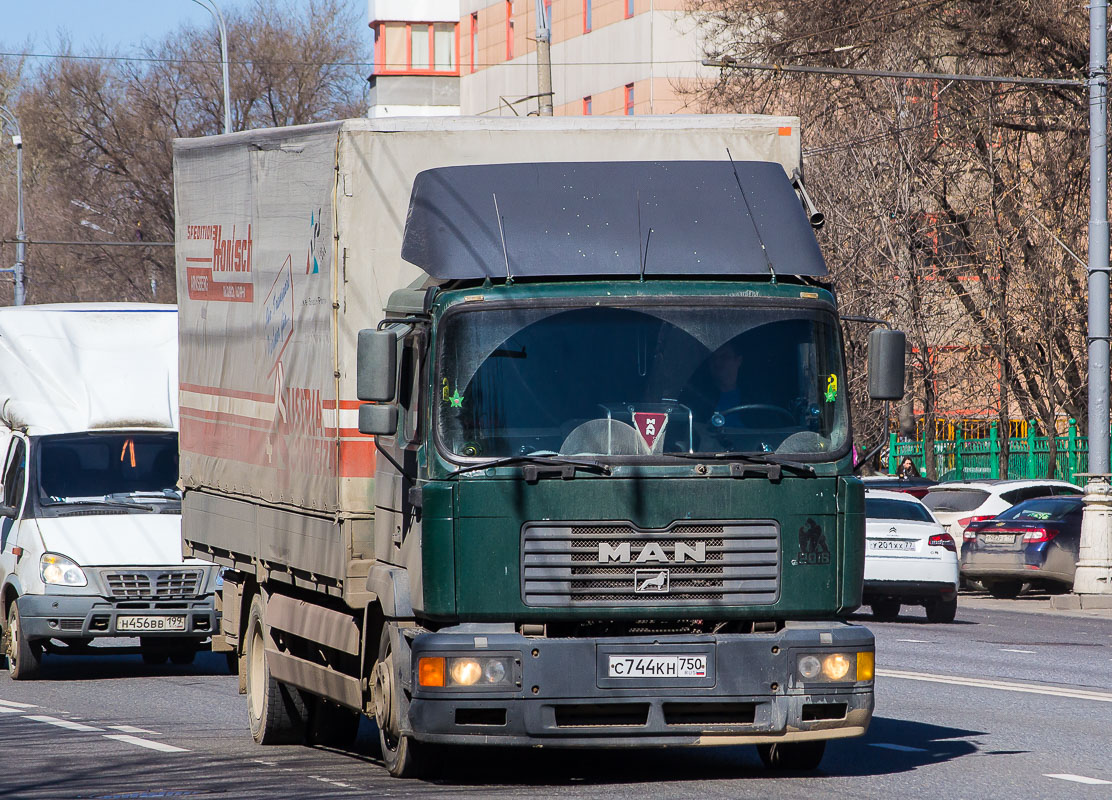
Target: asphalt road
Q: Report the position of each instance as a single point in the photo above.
(1003, 703)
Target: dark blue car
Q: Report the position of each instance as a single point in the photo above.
(1034, 542)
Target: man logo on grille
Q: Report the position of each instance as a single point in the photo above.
(650, 581)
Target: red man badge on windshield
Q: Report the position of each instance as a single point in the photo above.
(650, 425)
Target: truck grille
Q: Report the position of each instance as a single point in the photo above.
(153, 584)
(617, 564)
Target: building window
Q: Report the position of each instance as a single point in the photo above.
(474, 37)
(509, 29)
(586, 16)
(629, 100)
(420, 48)
(587, 106)
(629, 8)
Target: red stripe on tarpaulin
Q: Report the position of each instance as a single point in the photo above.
(225, 416)
(221, 392)
(346, 405)
(357, 459)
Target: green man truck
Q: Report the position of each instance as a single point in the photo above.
(529, 432)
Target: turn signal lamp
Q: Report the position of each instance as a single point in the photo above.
(431, 671)
(866, 662)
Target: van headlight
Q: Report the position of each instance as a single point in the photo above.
(57, 570)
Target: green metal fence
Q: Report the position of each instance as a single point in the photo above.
(979, 459)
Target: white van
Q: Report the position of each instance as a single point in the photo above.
(90, 515)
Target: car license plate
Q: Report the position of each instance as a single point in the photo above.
(998, 538)
(694, 666)
(160, 623)
(891, 544)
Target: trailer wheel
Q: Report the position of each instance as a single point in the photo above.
(276, 711)
(24, 655)
(792, 756)
(400, 753)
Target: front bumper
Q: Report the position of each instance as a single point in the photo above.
(88, 616)
(563, 697)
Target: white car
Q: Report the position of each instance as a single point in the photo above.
(956, 504)
(909, 558)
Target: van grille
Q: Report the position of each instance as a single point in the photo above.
(617, 564)
(153, 584)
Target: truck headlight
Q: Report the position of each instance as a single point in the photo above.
(478, 672)
(58, 570)
(835, 667)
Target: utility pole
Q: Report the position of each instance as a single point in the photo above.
(1094, 567)
(544, 60)
(11, 125)
(211, 7)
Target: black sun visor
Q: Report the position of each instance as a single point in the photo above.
(582, 218)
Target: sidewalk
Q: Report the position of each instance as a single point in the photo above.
(1069, 605)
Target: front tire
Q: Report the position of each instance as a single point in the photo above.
(942, 611)
(24, 655)
(401, 754)
(792, 756)
(275, 711)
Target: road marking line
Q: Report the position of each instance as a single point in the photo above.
(903, 748)
(914, 641)
(65, 723)
(266, 763)
(1080, 779)
(331, 782)
(135, 740)
(4, 710)
(132, 729)
(1008, 650)
(14, 704)
(1004, 686)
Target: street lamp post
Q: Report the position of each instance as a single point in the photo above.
(10, 125)
(211, 7)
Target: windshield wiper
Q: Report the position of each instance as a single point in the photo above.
(749, 457)
(96, 501)
(566, 465)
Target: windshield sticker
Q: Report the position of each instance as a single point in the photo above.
(831, 388)
(651, 426)
(1034, 514)
(456, 400)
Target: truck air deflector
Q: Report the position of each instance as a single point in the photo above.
(564, 219)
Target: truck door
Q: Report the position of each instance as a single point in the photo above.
(14, 493)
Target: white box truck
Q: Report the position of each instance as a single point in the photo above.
(450, 420)
(90, 518)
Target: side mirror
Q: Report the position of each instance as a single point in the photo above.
(886, 364)
(378, 420)
(376, 366)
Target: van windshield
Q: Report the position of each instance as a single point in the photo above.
(99, 465)
(641, 380)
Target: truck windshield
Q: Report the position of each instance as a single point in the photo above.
(99, 465)
(641, 381)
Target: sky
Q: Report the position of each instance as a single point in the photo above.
(33, 25)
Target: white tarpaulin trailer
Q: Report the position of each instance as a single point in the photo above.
(289, 242)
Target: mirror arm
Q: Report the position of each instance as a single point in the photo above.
(412, 479)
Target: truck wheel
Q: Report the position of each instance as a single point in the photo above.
(792, 756)
(400, 753)
(885, 609)
(942, 611)
(24, 656)
(276, 711)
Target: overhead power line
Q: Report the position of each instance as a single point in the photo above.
(729, 63)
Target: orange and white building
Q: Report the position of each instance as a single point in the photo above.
(416, 57)
(608, 56)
